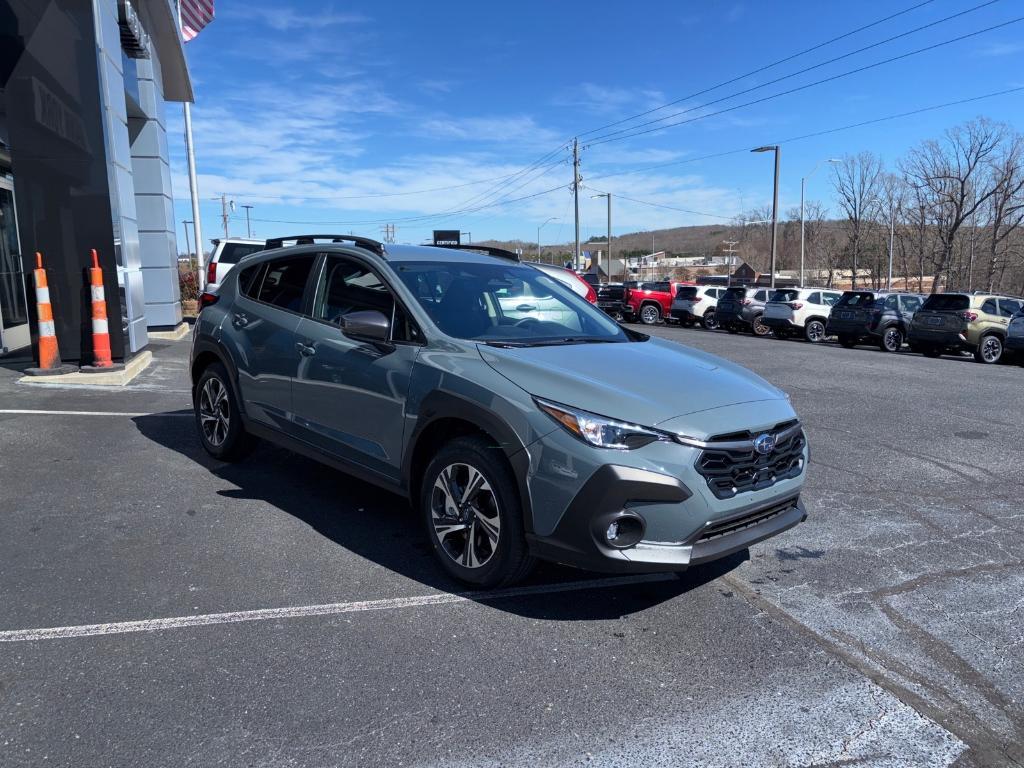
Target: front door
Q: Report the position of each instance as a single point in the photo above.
(14, 331)
(348, 396)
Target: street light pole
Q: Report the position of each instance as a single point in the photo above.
(248, 227)
(802, 183)
(775, 207)
(607, 196)
(553, 218)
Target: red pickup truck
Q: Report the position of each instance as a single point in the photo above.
(650, 302)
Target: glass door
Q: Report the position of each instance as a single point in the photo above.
(14, 332)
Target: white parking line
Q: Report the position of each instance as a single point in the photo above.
(328, 609)
(30, 412)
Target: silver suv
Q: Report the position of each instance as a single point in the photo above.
(520, 420)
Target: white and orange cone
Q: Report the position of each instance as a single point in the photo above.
(102, 360)
(49, 352)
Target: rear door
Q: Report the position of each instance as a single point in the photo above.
(348, 395)
(263, 321)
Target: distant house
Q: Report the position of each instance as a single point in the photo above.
(744, 274)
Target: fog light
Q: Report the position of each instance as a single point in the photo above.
(625, 531)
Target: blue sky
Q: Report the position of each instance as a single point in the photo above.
(337, 116)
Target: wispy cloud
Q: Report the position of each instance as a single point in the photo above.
(1000, 49)
(595, 98)
(521, 129)
(285, 19)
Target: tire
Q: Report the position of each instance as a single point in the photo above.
(709, 321)
(759, 328)
(814, 331)
(847, 342)
(931, 351)
(892, 340)
(460, 533)
(990, 349)
(650, 314)
(218, 420)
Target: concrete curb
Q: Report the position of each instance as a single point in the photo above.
(179, 333)
(133, 368)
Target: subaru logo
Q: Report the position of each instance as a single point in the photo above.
(764, 444)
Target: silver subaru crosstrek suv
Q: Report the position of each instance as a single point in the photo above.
(521, 421)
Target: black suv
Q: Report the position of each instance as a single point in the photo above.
(877, 318)
(740, 309)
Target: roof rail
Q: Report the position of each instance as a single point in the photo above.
(490, 250)
(363, 242)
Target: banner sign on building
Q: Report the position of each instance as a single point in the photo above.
(447, 237)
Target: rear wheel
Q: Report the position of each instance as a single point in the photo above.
(892, 340)
(990, 350)
(847, 342)
(650, 314)
(814, 331)
(710, 322)
(473, 515)
(217, 416)
(759, 327)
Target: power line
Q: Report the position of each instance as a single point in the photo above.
(812, 84)
(795, 74)
(762, 68)
(620, 196)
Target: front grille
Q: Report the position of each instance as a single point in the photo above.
(719, 528)
(735, 467)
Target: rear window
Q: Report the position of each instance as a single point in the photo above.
(234, 252)
(947, 301)
(785, 295)
(663, 287)
(856, 299)
(686, 292)
(735, 293)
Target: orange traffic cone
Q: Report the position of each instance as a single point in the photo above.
(49, 353)
(102, 361)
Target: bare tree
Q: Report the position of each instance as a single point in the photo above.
(857, 180)
(1006, 206)
(952, 175)
(815, 218)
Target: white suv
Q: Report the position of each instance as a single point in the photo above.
(227, 253)
(696, 303)
(790, 311)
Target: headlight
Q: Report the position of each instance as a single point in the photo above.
(600, 431)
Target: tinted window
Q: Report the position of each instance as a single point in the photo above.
(686, 292)
(785, 294)
(1009, 307)
(891, 303)
(735, 293)
(248, 279)
(761, 296)
(856, 299)
(989, 307)
(350, 287)
(233, 252)
(664, 287)
(285, 281)
(947, 302)
(910, 303)
(832, 298)
(814, 298)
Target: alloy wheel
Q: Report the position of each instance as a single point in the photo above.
(893, 340)
(815, 331)
(214, 411)
(649, 314)
(710, 322)
(991, 349)
(464, 513)
(760, 328)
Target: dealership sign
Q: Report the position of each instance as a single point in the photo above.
(447, 237)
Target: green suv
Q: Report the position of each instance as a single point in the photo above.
(963, 322)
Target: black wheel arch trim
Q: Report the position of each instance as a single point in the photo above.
(440, 405)
(209, 346)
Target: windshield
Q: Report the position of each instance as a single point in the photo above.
(784, 295)
(856, 299)
(947, 301)
(505, 304)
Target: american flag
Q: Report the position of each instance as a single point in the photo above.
(195, 14)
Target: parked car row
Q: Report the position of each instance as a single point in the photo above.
(984, 325)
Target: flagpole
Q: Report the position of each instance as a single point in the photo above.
(193, 185)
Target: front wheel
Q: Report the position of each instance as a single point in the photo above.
(709, 321)
(217, 416)
(990, 350)
(892, 340)
(814, 331)
(474, 519)
(760, 328)
(649, 314)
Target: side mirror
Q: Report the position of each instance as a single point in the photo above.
(366, 325)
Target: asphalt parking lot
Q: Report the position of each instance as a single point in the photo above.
(162, 609)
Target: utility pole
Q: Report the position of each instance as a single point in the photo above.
(389, 233)
(576, 198)
(469, 237)
(730, 251)
(248, 227)
(188, 247)
(224, 215)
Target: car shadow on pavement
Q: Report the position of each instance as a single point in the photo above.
(382, 527)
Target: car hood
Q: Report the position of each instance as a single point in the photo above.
(640, 382)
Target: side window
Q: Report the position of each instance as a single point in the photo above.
(1009, 307)
(891, 304)
(989, 307)
(832, 298)
(248, 279)
(814, 298)
(761, 296)
(348, 286)
(284, 282)
(910, 303)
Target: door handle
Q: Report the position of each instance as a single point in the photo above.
(240, 320)
(526, 308)
(306, 350)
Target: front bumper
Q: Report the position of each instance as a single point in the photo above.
(578, 538)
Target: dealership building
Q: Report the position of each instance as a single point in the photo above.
(84, 164)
